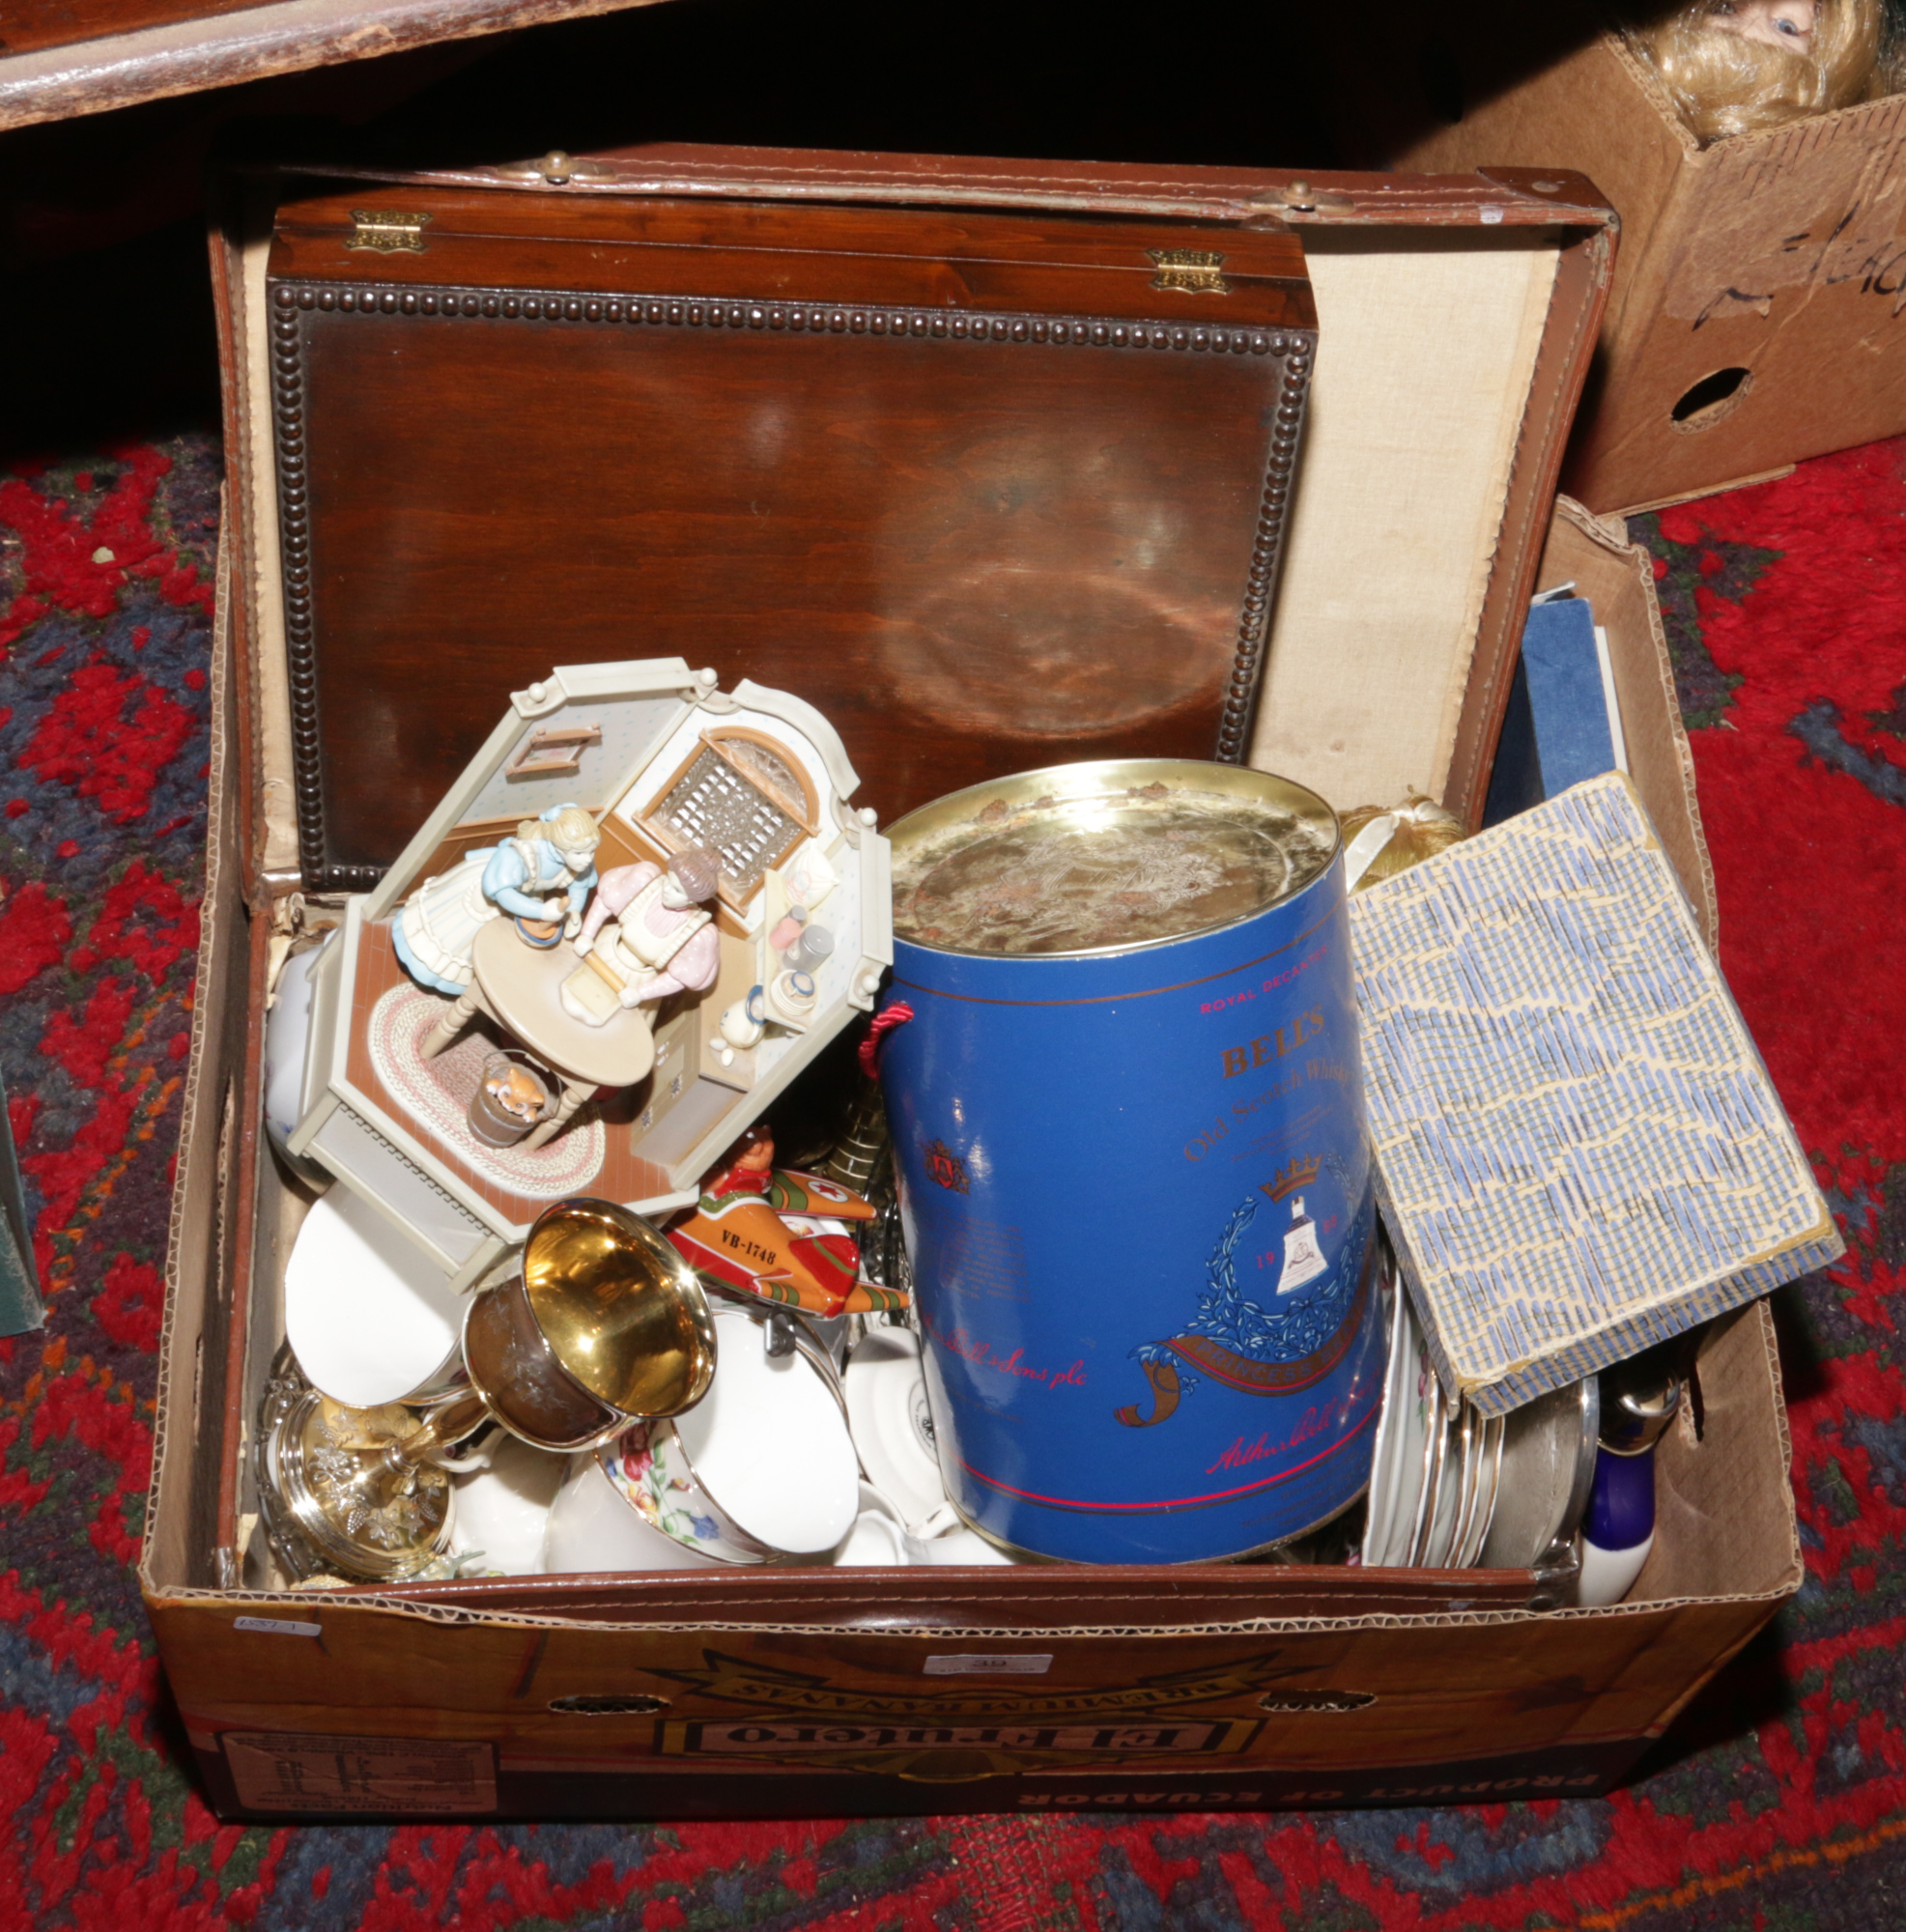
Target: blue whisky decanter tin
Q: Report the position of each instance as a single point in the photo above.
(1127, 1119)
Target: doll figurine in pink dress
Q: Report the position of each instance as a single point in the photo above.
(648, 933)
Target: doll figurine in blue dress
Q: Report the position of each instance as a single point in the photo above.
(545, 874)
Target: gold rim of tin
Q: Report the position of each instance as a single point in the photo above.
(1111, 778)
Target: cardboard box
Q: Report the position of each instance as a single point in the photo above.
(781, 1691)
(1759, 309)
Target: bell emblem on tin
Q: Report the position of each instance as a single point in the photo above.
(1303, 1259)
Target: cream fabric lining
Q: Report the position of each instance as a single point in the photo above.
(1426, 346)
(270, 666)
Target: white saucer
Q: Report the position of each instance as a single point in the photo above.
(369, 1319)
(886, 1390)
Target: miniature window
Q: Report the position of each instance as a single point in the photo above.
(555, 754)
(744, 796)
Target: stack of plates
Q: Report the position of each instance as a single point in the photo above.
(1451, 1489)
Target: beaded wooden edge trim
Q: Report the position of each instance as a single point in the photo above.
(292, 301)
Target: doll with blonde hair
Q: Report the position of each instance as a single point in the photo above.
(545, 874)
(1735, 67)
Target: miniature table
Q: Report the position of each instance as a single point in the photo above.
(517, 986)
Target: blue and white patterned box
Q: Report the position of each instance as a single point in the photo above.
(1578, 1150)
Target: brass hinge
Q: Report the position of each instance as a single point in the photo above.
(385, 231)
(1190, 269)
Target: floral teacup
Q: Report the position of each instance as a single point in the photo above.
(592, 1529)
(762, 1471)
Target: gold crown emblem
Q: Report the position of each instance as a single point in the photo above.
(1299, 1174)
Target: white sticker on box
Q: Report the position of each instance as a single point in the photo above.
(296, 1771)
(1034, 1664)
(277, 1626)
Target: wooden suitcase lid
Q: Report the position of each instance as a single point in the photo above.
(1468, 307)
(990, 489)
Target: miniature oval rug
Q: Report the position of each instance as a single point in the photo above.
(438, 1093)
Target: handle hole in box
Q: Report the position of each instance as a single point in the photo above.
(1316, 1700)
(1712, 398)
(607, 1707)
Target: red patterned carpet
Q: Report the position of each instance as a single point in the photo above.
(1779, 1801)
